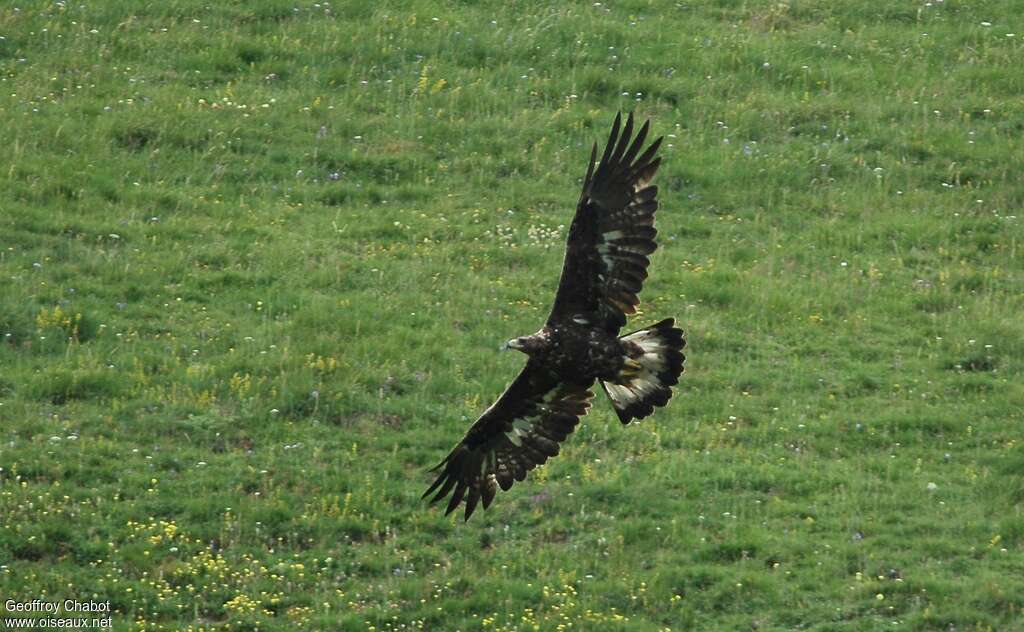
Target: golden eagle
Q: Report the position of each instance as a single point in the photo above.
(604, 270)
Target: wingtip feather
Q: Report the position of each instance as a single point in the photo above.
(638, 142)
(612, 138)
(620, 148)
(460, 491)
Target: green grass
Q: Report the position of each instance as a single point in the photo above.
(256, 260)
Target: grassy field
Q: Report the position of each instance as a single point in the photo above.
(256, 260)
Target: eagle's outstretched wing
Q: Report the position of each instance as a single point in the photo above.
(611, 234)
(516, 434)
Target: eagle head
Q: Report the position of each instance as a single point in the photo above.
(526, 344)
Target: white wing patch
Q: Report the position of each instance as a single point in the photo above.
(653, 359)
(640, 387)
(520, 428)
(652, 364)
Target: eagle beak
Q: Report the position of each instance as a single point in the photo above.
(505, 347)
(512, 344)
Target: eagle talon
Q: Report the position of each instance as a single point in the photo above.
(630, 369)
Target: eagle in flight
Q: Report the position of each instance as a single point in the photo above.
(605, 266)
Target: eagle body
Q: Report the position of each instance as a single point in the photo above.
(577, 353)
(606, 261)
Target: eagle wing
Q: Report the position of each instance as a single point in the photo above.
(516, 434)
(612, 233)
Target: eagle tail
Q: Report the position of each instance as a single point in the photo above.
(653, 364)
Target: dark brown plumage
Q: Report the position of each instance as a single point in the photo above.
(604, 270)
